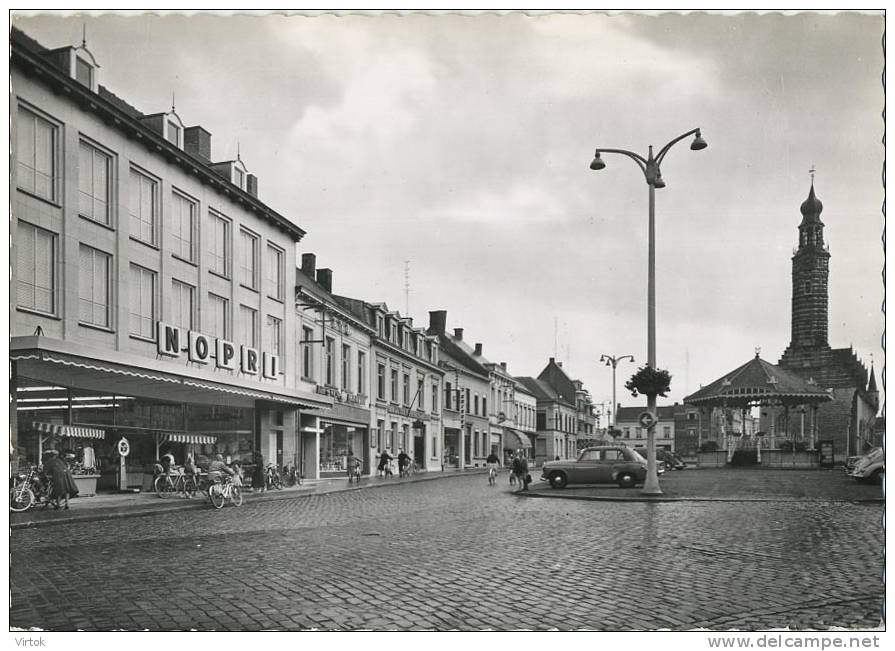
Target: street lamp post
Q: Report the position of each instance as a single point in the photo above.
(613, 361)
(652, 172)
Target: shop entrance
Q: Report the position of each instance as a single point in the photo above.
(419, 444)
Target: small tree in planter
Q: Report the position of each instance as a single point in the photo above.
(650, 382)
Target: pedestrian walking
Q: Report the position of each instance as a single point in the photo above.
(62, 484)
(520, 470)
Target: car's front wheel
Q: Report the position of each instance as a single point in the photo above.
(558, 480)
(626, 480)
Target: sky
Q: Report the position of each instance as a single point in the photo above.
(452, 153)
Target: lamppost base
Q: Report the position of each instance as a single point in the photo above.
(651, 490)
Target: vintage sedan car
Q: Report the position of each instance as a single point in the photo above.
(870, 467)
(607, 464)
(669, 459)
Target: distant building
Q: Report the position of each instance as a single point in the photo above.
(634, 435)
(467, 390)
(564, 412)
(848, 419)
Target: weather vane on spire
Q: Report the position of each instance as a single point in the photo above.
(811, 172)
(172, 101)
(84, 37)
(237, 151)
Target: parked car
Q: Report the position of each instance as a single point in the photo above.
(667, 458)
(605, 464)
(869, 467)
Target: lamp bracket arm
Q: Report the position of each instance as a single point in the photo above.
(665, 149)
(637, 158)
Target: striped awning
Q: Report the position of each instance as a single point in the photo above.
(72, 431)
(196, 439)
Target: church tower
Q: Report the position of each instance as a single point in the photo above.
(810, 275)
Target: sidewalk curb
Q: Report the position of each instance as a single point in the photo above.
(96, 514)
(661, 498)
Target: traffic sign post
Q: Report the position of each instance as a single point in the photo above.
(647, 420)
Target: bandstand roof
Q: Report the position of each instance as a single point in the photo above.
(758, 382)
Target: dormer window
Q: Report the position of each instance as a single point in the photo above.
(83, 72)
(174, 129)
(239, 178)
(83, 66)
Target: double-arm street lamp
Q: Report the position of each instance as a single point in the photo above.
(613, 361)
(651, 168)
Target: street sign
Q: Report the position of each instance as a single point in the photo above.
(647, 420)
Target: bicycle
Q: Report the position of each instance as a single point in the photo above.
(272, 477)
(409, 469)
(222, 490)
(292, 476)
(181, 483)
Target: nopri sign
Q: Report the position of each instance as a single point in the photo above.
(173, 341)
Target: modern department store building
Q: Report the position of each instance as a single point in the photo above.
(151, 297)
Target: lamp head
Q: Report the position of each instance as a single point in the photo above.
(658, 182)
(597, 163)
(698, 143)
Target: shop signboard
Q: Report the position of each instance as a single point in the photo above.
(202, 349)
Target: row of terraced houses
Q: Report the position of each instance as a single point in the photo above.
(156, 305)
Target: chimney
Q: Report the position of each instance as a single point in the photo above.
(437, 321)
(478, 350)
(503, 365)
(252, 184)
(553, 360)
(325, 279)
(458, 333)
(197, 141)
(308, 264)
(559, 364)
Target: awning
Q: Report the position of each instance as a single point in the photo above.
(101, 375)
(72, 431)
(515, 440)
(196, 439)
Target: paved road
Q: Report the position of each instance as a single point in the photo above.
(420, 556)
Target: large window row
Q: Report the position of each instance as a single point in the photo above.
(39, 172)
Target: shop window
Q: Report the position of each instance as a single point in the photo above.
(274, 272)
(94, 184)
(183, 305)
(142, 302)
(219, 239)
(36, 268)
(143, 207)
(393, 436)
(218, 322)
(94, 291)
(183, 227)
(248, 259)
(36, 154)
